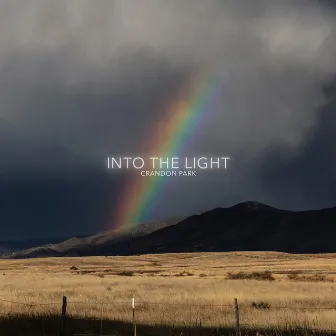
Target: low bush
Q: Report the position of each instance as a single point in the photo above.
(309, 278)
(260, 305)
(266, 275)
(125, 273)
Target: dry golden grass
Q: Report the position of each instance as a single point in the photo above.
(177, 289)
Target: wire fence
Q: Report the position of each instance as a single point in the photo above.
(139, 302)
(133, 312)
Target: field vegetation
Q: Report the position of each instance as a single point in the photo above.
(275, 291)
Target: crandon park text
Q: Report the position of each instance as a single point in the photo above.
(168, 173)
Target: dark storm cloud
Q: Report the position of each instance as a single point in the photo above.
(306, 178)
(96, 115)
(83, 80)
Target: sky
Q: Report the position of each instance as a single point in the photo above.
(82, 80)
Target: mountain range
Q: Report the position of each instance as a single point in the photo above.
(248, 226)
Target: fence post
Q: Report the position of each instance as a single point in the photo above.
(64, 306)
(237, 317)
(134, 324)
(101, 322)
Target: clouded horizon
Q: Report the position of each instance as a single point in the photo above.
(82, 80)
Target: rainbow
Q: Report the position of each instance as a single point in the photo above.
(168, 136)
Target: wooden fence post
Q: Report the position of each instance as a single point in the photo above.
(64, 306)
(134, 324)
(101, 322)
(237, 317)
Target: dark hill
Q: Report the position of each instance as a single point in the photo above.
(245, 227)
(78, 246)
(249, 226)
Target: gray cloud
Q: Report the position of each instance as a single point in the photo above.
(88, 79)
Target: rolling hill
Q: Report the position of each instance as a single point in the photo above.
(77, 246)
(249, 226)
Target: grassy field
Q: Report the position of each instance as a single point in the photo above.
(179, 289)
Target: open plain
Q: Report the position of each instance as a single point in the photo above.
(274, 290)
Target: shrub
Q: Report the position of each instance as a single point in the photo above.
(260, 305)
(266, 275)
(293, 276)
(308, 278)
(125, 273)
(73, 268)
